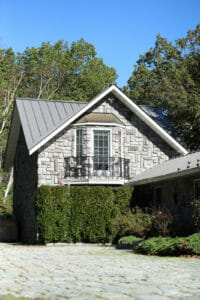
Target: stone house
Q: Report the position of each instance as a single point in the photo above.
(107, 141)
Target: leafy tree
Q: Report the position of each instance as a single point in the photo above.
(56, 71)
(11, 76)
(168, 76)
(61, 71)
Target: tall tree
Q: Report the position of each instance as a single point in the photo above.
(61, 71)
(56, 71)
(11, 76)
(168, 76)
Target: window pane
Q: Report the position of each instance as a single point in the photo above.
(101, 149)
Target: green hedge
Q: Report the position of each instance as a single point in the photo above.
(128, 239)
(167, 246)
(81, 213)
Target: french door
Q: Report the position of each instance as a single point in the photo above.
(101, 149)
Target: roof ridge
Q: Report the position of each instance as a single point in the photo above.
(62, 100)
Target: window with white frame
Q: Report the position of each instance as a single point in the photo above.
(101, 149)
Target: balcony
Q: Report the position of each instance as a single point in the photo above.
(101, 170)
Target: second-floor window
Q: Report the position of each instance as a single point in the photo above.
(101, 149)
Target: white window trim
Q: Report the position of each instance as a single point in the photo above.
(74, 146)
(122, 144)
(92, 138)
(91, 132)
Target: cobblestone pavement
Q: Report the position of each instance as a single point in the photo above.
(92, 272)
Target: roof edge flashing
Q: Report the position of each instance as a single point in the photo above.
(131, 105)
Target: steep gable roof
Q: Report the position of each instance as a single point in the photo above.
(132, 106)
(41, 120)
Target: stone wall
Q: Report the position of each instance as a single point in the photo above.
(177, 196)
(138, 143)
(24, 191)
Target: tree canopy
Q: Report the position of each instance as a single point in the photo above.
(168, 76)
(59, 71)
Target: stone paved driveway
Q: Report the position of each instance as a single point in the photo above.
(92, 272)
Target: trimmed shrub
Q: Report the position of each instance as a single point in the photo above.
(161, 246)
(133, 223)
(122, 198)
(166, 246)
(91, 214)
(79, 214)
(129, 239)
(53, 210)
(194, 243)
(128, 242)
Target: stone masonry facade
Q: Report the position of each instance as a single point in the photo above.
(175, 195)
(24, 191)
(134, 140)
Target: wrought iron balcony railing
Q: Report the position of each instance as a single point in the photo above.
(90, 166)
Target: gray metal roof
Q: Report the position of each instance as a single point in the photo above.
(157, 115)
(172, 168)
(39, 118)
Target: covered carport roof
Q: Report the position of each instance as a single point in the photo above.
(180, 166)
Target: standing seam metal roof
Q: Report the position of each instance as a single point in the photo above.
(39, 118)
(174, 167)
(157, 115)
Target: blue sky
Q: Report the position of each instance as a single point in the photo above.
(120, 30)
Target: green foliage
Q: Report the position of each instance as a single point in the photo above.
(123, 197)
(166, 246)
(79, 214)
(161, 222)
(168, 76)
(128, 239)
(143, 223)
(53, 213)
(194, 243)
(59, 71)
(92, 212)
(137, 223)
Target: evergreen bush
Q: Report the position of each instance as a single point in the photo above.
(167, 246)
(135, 222)
(81, 213)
